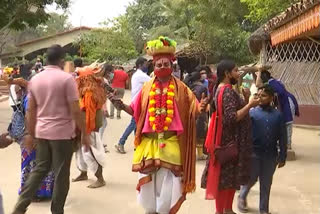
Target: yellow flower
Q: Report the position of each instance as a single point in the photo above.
(169, 102)
(165, 128)
(153, 85)
(168, 119)
(152, 109)
(152, 93)
(151, 119)
(169, 111)
(154, 127)
(171, 86)
(152, 102)
(171, 94)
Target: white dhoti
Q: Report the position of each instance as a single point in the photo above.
(162, 193)
(95, 156)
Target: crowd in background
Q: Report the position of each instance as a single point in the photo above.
(269, 114)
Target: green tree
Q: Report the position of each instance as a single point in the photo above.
(263, 10)
(181, 15)
(56, 23)
(143, 16)
(112, 44)
(19, 14)
(214, 26)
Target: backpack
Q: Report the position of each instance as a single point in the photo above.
(16, 128)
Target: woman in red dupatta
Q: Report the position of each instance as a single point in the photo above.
(231, 127)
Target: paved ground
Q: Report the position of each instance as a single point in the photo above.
(295, 188)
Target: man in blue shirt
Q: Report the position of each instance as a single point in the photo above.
(282, 101)
(269, 136)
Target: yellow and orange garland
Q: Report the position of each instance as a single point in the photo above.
(161, 109)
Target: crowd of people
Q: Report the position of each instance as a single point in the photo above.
(176, 119)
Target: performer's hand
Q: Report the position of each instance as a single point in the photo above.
(281, 164)
(204, 103)
(111, 96)
(118, 104)
(86, 142)
(115, 92)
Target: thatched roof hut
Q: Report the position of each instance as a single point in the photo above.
(256, 40)
(290, 44)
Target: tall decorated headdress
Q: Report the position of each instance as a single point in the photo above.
(162, 47)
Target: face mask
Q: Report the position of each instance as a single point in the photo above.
(111, 76)
(203, 76)
(163, 72)
(145, 69)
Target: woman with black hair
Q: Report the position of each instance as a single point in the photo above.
(229, 140)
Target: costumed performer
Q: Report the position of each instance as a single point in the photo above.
(92, 98)
(165, 112)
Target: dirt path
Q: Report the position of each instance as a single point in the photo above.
(295, 189)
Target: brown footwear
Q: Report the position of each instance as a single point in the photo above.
(229, 212)
(17, 212)
(82, 177)
(97, 184)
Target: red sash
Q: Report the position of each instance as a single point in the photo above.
(214, 131)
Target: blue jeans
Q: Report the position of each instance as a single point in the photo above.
(131, 127)
(262, 167)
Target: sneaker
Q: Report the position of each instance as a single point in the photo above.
(242, 205)
(111, 117)
(120, 149)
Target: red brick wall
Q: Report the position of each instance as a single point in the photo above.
(309, 115)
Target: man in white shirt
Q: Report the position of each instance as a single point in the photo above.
(137, 81)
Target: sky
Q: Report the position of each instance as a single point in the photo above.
(92, 12)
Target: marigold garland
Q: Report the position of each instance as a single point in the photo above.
(161, 109)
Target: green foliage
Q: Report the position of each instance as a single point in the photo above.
(16, 14)
(143, 16)
(68, 57)
(231, 43)
(182, 17)
(56, 23)
(262, 10)
(112, 44)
